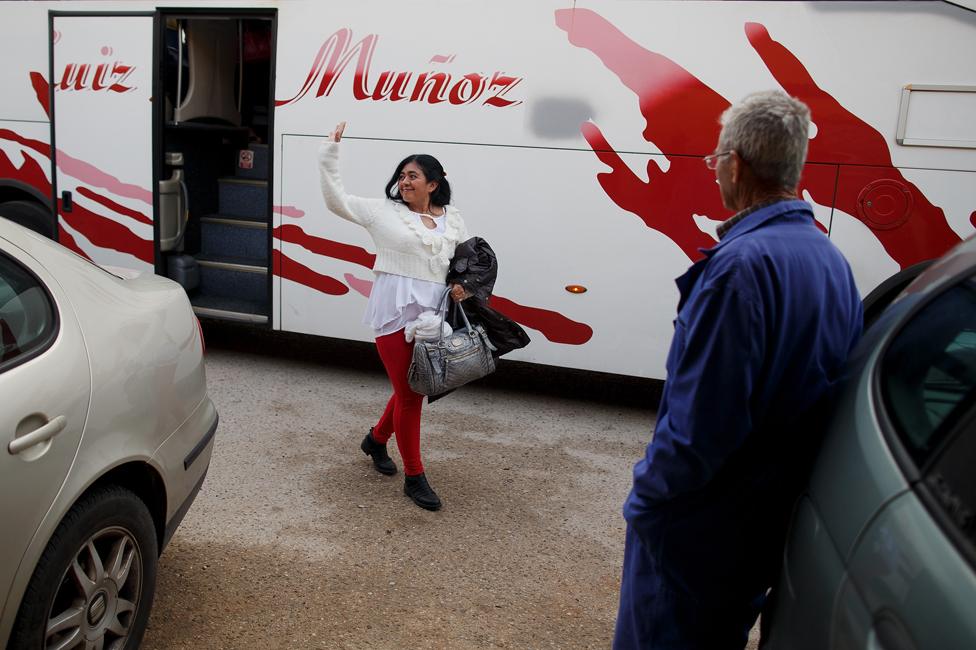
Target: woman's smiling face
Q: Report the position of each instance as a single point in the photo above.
(414, 187)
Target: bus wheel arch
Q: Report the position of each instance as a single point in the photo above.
(30, 213)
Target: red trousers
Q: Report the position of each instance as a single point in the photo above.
(402, 414)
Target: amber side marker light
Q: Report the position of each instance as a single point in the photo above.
(575, 288)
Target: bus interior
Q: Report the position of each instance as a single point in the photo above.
(214, 210)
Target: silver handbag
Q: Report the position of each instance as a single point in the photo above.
(448, 362)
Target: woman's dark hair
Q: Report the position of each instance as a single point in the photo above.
(433, 171)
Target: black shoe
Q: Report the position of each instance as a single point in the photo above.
(381, 460)
(418, 489)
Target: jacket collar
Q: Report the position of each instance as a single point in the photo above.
(758, 219)
(749, 223)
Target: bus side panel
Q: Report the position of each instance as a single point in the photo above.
(601, 62)
(23, 72)
(883, 222)
(25, 131)
(586, 167)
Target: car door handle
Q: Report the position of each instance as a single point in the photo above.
(37, 436)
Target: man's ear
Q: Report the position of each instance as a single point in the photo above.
(736, 172)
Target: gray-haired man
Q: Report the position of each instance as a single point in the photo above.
(765, 323)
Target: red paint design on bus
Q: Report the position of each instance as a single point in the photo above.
(42, 89)
(288, 211)
(553, 325)
(360, 286)
(30, 172)
(40, 147)
(92, 175)
(105, 233)
(113, 206)
(682, 113)
(294, 234)
(99, 230)
(82, 170)
(681, 116)
(288, 269)
(844, 138)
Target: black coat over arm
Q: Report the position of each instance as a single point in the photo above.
(475, 267)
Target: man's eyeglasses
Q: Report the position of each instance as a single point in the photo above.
(712, 161)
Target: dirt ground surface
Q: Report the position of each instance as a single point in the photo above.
(295, 542)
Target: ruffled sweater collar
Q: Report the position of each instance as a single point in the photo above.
(435, 241)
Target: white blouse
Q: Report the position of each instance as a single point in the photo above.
(396, 300)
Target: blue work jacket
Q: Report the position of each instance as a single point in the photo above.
(765, 324)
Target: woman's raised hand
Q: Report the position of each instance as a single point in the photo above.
(336, 135)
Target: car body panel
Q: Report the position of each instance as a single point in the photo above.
(143, 357)
(55, 383)
(902, 582)
(175, 456)
(811, 567)
(849, 626)
(135, 360)
(857, 458)
(919, 590)
(855, 473)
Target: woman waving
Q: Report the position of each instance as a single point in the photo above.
(415, 231)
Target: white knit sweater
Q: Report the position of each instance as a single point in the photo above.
(403, 246)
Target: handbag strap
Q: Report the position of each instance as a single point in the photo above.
(442, 308)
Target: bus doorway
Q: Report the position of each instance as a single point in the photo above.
(214, 211)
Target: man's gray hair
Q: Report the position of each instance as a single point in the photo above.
(768, 130)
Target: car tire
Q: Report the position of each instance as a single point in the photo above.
(882, 295)
(96, 578)
(30, 214)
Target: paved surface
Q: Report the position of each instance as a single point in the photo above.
(295, 542)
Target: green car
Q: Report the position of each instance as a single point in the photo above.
(881, 552)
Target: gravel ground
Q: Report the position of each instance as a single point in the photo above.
(295, 542)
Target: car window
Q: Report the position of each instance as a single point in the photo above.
(928, 373)
(27, 316)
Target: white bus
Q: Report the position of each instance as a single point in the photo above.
(181, 138)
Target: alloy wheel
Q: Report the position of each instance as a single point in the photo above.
(98, 597)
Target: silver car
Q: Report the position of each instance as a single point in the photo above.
(106, 432)
(882, 548)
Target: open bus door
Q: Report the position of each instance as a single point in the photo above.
(102, 117)
(215, 191)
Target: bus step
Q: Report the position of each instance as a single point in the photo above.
(234, 309)
(233, 278)
(232, 237)
(230, 263)
(242, 197)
